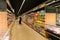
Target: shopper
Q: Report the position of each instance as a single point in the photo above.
(20, 20)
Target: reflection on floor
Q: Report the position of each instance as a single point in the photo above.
(23, 32)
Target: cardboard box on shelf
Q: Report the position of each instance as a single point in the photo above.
(50, 18)
(3, 21)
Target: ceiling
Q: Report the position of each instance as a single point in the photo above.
(29, 4)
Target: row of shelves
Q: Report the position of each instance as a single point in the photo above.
(10, 18)
(10, 24)
(50, 17)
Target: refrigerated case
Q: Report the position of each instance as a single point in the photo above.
(52, 21)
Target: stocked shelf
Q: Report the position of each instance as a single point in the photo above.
(38, 17)
(10, 17)
(4, 28)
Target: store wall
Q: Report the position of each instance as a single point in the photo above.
(50, 18)
(3, 21)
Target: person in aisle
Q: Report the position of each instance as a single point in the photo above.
(20, 20)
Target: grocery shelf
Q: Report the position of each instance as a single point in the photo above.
(52, 34)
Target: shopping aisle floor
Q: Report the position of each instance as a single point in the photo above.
(23, 32)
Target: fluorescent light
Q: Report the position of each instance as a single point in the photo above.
(50, 3)
(57, 6)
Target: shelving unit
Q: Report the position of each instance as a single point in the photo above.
(52, 5)
(10, 20)
(52, 11)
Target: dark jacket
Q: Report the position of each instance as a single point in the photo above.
(20, 20)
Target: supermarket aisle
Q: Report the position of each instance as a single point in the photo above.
(23, 32)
